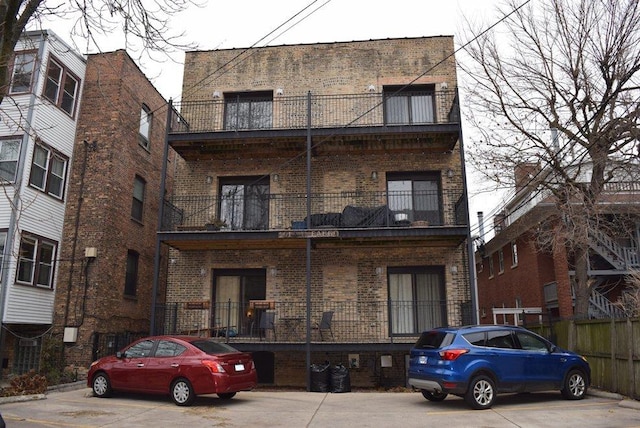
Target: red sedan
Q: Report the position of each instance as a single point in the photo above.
(182, 366)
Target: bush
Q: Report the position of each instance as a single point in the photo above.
(26, 384)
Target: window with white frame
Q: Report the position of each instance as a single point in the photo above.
(514, 254)
(137, 205)
(491, 272)
(48, 171)
(9, 153)
(146, 118)
(500, 261)
(61, 87)
(22, 72)
(36, 261)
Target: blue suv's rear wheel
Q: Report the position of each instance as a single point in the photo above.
(434, 396)
(481, 393)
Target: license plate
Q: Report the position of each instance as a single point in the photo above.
(239, 367)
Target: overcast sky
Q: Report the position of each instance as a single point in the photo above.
(245, 23)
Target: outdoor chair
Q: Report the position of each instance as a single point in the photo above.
(325, 324)
(268, 322)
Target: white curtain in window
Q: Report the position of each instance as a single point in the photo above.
(402, 303)
(422, 108)
(429, 300)
(227, 288)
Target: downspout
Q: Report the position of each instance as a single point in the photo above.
(13, 223)
(473, 282)
(308, 225)
(163, 182)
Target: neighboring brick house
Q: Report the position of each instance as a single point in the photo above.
(106, 271)
(39, 118)
(377, 254)
(515, 270)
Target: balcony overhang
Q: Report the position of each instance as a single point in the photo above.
(286, 142)
(451, 237)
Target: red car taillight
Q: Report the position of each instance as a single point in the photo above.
(452, 354)
(213, 366)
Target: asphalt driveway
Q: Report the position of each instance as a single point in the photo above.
(78, 408)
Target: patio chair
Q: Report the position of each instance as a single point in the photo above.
(325, 324)
(268, 322)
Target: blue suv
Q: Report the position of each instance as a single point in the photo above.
(477, 362)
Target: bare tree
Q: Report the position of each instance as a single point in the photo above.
(556, 85)
(143, 23)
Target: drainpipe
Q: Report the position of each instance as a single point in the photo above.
(308, 339)
(470, 251)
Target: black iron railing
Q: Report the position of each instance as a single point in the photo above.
(336, 321)
(349, 209)
(327, 111)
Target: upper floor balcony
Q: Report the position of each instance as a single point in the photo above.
(392, 114)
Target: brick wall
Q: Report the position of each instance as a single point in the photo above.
(523, 281)
(90, 292)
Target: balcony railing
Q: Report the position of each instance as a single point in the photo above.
(327, 111)
(375, 321)
(349, 209)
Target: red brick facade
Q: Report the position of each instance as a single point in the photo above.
(108, 156)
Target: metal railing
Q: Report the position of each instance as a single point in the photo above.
(374, 321)
(327, 111)
(349, 209)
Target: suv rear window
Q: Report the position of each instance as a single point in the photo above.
(434, 339)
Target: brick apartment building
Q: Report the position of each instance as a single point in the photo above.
(370, 131)
(106, 265)
(514, 271)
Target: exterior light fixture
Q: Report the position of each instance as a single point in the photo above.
(279, 91)
(371, 88)
(216, 94)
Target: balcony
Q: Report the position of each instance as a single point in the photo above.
(371, 116)
(365, 323)
(349, 209)
(327, 111)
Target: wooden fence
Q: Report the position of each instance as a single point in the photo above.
(612, 348)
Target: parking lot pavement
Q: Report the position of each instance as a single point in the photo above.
(78, 408)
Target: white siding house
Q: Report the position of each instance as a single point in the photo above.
(37, 132)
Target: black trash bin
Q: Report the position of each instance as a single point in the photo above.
(320, 377)
(340, 379)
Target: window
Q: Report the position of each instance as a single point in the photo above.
(9, 152)
(491, 272)
(3, 240)
(500, 261)
(139, 350)
(531, 342)
(412, 104)
(500, 339)
(248, 110)
(22, 72)
(138, 198)
(416, 195)
(35, 261)
(244, 203)
(240, 287)
(514, 254)
(61, 87)
(131, 279)
(417, 300)
(146, 118)
(48, 171)
(167, 348)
